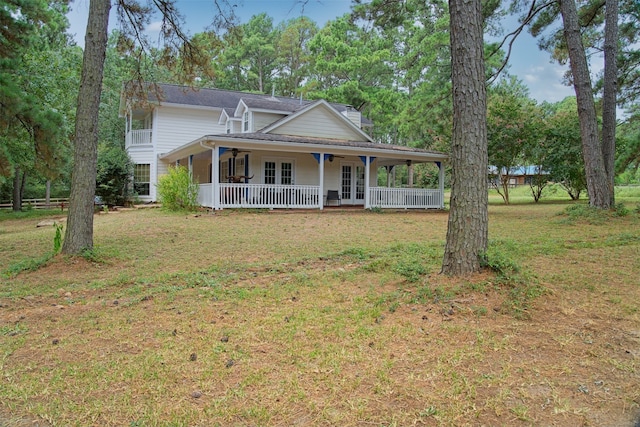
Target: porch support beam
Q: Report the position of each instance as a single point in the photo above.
(441, 183)
(367, 177)
(215, 173)
(321, 181)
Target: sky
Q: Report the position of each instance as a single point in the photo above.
(528, 63)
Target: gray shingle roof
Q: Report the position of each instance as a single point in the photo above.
(274, 104)
(206, 97)
(228, 99)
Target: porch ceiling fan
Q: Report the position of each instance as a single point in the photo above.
(332, 156)
(235, 152)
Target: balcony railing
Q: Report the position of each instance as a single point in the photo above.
(138, 137)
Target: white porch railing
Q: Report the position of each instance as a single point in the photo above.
(405, 198)
(138, 137)
(261, 196)
(307, 196)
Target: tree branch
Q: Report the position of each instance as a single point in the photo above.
(512, 36)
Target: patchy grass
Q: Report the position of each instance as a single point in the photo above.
(336, 318)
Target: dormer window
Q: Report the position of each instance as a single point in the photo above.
(228, 126)
(245, 121)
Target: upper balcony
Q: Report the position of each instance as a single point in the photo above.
(137, 138)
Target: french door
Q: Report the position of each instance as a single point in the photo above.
(352, 184)
(278, 172)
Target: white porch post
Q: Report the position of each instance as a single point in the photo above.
(191, 164)
(410, 176)
(321, 183)
(441, 183)
(215, 173)
(367, 177)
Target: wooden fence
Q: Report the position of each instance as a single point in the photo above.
(54, 203)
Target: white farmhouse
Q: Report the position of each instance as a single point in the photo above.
(259, 151)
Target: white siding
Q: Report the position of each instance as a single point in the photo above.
(319, 123)
(261, 120)
(141, 156)
(332, 176)
(353, 115)
(177, 126)
(236, 126)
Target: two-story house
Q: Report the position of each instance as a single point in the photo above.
(259, 151)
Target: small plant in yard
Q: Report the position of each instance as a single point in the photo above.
(412, 270)
(30, 264)
(522, 288)
(498, 260)
(621, 210)
(57, 239)
(177, 191)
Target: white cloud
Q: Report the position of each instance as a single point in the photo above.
(154, 27)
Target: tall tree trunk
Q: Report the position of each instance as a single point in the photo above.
(47, 193)
(610, 93)
(79, 233)
(597, 182)
(467, 231)
(18, 189)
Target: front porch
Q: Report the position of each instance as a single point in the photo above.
(269, 196)
(284, 172)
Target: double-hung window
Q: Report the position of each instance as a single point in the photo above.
(245, 122)
(142, 179)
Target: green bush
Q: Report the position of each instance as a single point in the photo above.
(177, 191)
(113, 176)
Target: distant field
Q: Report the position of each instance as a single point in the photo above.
(335, 318)
(554, 193)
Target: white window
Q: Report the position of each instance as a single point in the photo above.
(231, 167)
(224, 171)
(269, 172)
(245, 121)
(142, 179)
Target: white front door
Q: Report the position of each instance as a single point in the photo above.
(352, 184)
